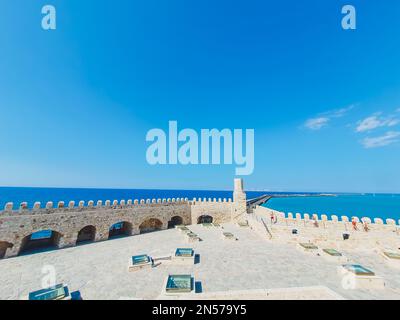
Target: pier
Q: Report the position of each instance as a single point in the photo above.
(259, 201)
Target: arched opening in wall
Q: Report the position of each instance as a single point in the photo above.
(175, 221)
(39, 241)
(86, 235)
(120, 229)
(4, 245)
(205, 219)
(150, 225)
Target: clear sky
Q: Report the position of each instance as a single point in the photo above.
(76, 103)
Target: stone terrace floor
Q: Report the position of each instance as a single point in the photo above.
(99, 270)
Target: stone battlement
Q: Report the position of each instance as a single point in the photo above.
(325, 220)
(61, 206)
(73, 223)
(333, 218)
(326, 233)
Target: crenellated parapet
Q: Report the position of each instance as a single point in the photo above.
(200, 201)
(50, 207)
(326, 231)
(220, 210)
(292, 218)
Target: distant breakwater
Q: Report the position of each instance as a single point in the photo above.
(271, 196)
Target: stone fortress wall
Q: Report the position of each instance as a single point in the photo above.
(69, 223)
(342, 221)
(327, 231)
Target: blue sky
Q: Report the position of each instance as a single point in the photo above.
(76, 103)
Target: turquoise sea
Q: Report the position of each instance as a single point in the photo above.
(368, 205)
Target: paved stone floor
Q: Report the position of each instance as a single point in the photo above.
(99, 270)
